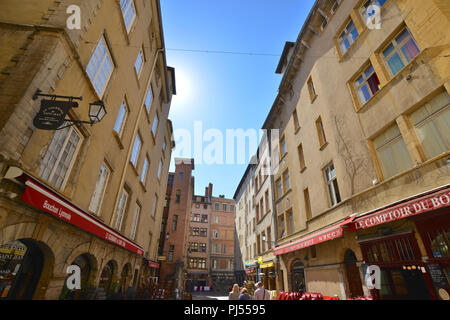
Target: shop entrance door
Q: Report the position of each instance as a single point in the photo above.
(400, 263)
(298, 276)
(352, 273)
(400, 284)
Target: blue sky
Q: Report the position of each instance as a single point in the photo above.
(226, 91)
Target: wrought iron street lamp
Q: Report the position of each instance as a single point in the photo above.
(52, 114)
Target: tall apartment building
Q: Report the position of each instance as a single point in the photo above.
(179, 204)
(255, 218)
(222, 243)
(361, 166)
(85, 195)
(198, 246)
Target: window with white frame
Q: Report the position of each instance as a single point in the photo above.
(401, 51)
(60, 156)
(99, 190)
(332, 185)
(367, 84)
(128, 12)
(348, 36)
(135, 221)
(120, 212)
(392, 152)
(148, 98)
(121, 118)
(144, 170)
(139, 63)
(136, 149)
(100, 67)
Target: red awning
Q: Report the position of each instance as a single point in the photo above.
(41, 197)
(419, 204)
(330, 233)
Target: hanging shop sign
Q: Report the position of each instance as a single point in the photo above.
(48, 201)
(153, 264)
(52, 114)
(423, 204)
(267, 265)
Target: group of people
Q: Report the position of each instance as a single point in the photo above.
(242, 293)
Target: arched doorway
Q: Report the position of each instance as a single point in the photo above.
(83, 261)
(298, 276)
(352, 273)
(21, 265)
(125, 278)
(106, 276)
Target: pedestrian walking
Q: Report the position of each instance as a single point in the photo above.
(261, 293)
(234, 294)
(244, 295)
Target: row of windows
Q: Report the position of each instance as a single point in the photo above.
(58, 161)
(197, 263)
(431, 125)
(224, 207)
(199, 232)
(199, 218)
(197, 247)
(223, 248)
(222, 264)
(262, 207)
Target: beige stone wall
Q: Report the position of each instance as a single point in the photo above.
(54, 60)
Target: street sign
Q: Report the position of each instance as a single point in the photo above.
(260, 260)
(52, 114)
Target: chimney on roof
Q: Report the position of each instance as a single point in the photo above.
(210, 188)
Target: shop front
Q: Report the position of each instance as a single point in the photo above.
(21, 264)
(36, 221)
(268, 277)
(315, 262)
(409, 242)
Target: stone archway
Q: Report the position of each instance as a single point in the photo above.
(298, 276)
(352, 274)
(27, 268)
(108, 277)
(125, 278)
(88, 268)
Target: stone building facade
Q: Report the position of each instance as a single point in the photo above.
(362, 157)
(221, 238)
(85, 195)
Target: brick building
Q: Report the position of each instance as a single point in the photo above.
(222, 237)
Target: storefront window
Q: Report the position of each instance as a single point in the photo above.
(11, 259)
(440, 243)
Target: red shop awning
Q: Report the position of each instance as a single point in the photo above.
(423, 203)
(330, 233)
(43, 198)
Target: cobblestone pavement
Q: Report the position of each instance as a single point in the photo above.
(209, 296)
